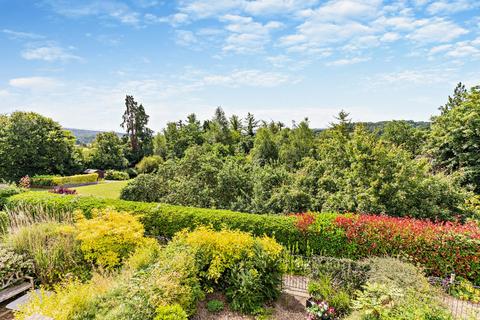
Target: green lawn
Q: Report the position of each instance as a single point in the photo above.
(106, 189)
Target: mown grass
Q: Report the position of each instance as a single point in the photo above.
(110, 190)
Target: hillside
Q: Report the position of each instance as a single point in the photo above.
(84, 136)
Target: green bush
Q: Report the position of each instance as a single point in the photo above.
(215, 306)
(54, 181)
(144, 186)
(173, 312)
(52, 248)
(8, 191)
(397, 290)
(4, 223)
(149, 164)
(324, 289)
(132, 173)
(116, 175)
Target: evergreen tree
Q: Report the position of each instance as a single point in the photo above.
(139, 136)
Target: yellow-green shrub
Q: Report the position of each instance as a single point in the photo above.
(53, 181)
(247, 268)
(174, 312)
(69, 300)
(109, 237)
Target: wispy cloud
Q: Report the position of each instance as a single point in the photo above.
(346, 62)
(12, 34)
(49, 52)
(35, 83)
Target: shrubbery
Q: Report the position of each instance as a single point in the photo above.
(8, 191)
(149, 164)
(351, 236)
(53, 181)
(116, 175)
(109, 237)
(53, 249)
(4, 223)
(13, 267)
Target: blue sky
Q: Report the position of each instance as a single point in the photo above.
(279, 59)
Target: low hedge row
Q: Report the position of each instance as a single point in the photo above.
(55, 181)
(440, 248)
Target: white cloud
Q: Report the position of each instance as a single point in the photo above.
(247, 35)
(346, 62)
(49, 52)
(21, 35)
(451, 6)
(250, 78)
(107, 8)
(390, 37)
(437, 30)
(415, 77)
(270, 7)
(4, 93)
(185, 38)
(35, 83)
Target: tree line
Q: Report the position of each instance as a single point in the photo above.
(400, 168)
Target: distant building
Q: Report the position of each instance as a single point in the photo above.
(101, 173)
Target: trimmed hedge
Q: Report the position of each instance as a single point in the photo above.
(116, 175)
(55, 181)
(8, 191)
(439, 247)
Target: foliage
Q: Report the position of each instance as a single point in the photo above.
(397, 290)
(441, 248)
(348, 236)
(52, 248)
(247, 268)
(404, 135)
(8, 191)
(174, 312)
(63, 190)
(139, 136)
(215, 305)
(31, 144)
(149, 164)
(52, 181)
(464, 290)
(107, 152)
(13, 267)
(25, 182)
(109, 237)
(454, 135)
(323, 289)
(116, 175)
(4, 223)
(320, 310)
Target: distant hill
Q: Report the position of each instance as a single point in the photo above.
(372, 126)
(86, 136)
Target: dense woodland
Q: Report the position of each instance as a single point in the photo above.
(401, 168)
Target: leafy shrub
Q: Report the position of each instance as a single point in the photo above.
(464, 290)
(320, 310)
(63, 190)
(247, 267)
(441, 248)
(4, 223)
(52, 248)
(109, 237)
(149, 164)
(215, 306)
(116, 175)
(397, 290)
(132, 173)
(145, 187)
(323, 289)
(13, 267)
(433, 245)
(69, 300)
(52, 181)
(174, 312)
(8, 191)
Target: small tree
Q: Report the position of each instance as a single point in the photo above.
(108, 152)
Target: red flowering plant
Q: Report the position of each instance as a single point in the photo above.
(441, 248)
(63, 190)
(304, 221)
(25, 182)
